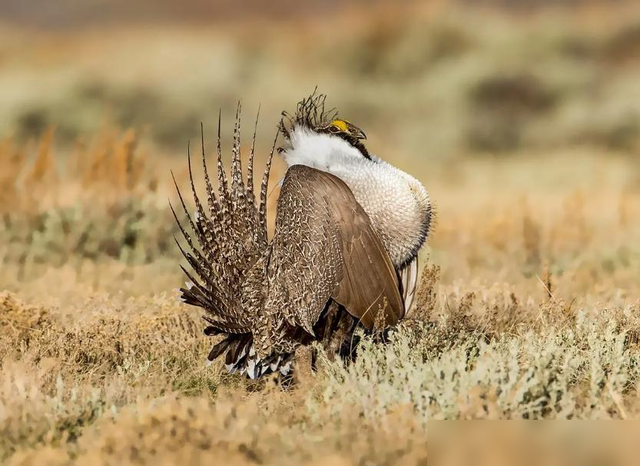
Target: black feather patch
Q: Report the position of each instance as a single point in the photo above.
(212, 331)
(218, 349)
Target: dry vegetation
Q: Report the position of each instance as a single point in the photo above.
(529, 305)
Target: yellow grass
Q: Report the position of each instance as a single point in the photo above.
(532, 313)
(529, 301)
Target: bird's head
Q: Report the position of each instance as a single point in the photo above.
(344, 129)
(314, 132)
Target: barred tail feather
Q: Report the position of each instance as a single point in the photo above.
(237, 184)
(222, 176)
(224, 240)
(250, 194)
(264, 188)
(241, 357)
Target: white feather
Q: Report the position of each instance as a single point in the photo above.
(274, 365)
(284, 370)
(321, 151)
(397, 204)
(251, 369)
(409, 277)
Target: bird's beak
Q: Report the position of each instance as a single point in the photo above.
(359, 134)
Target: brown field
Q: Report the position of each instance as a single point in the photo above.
(529, 305)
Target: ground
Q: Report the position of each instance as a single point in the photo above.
(529, 298)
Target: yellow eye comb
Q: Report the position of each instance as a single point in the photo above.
(342, 125)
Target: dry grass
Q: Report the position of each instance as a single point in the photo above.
(529, 302)
(531, 313)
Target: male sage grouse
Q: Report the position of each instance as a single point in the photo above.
(345, 248)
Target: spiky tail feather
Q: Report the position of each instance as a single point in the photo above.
(229, 239)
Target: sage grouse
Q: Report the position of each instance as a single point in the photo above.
(345, 248)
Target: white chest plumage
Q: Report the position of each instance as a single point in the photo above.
(397, 204)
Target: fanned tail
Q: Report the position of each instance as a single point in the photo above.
(225, 238)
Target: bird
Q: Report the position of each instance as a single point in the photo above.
(343, 256)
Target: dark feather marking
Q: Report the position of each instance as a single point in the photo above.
(264, 188)
(200, 259)
(222, 176)
(203, 233)
(218, 349)
(250, 193)
(237, 185)
(211, 197)
(213, 286)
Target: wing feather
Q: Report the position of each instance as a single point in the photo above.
(325, 248)
(409, 279)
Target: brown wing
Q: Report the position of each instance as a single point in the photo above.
(324, 247)
(369, 282)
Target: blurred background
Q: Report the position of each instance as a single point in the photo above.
(430, 79)
(522, 118)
